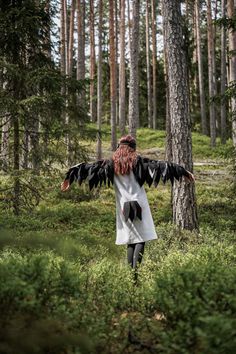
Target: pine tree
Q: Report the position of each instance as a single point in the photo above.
(184, 203)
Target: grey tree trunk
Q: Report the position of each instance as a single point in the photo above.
(149, 94)
(71, 38)
(92, 64)
(4, 152)
(62, 39)
(168, 145)
(134, 72)
(122, 98)
(99, 83)
(200, 70)
(184, 201)
(113, 95)
(211, 73)
(81, 44)
(223, 76)
(154, 66)
(231, 9)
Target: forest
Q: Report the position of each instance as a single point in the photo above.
(76, 76)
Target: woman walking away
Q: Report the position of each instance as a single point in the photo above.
(128, 172)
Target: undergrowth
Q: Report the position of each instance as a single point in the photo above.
(66, 287)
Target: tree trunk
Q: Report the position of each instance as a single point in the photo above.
(211, 74)
(116, 61)
(62, 39)
(99, 83)
(122, 99)
(134, 72)
(200, 70)
(148, 66)
(223, 76)
(154, 66)
(184, 203)
(16, 165)
(92, 64)
(112, 75)
(81, 45)
(4, 152)
(71, 37)
(231, 9)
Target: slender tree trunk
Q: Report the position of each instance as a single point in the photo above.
(16, 164)
(92, 64)
(231, 9)
(62, 39)
(112, 75)
(129, 30)
(81, 44)
(150, 121)
(200, 70)
(184, 202)
(71, 37)
(4, 152)
(134, 72)
(168, 148)
(211, 74)
(116, 61)
(122, 99)
(223, 76)
(154, 66)
(99, 83)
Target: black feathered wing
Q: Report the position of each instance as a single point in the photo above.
(152, 171)
(97, 173)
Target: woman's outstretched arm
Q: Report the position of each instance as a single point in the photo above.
(97, 173)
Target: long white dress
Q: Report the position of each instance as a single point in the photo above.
(128, 189)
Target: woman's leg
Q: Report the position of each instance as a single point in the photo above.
(130, 253)
(138, 253)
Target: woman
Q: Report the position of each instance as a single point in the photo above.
(128, 172)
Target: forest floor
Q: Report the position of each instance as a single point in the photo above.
(66, 287)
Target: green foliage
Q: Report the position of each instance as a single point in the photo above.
(63, 279)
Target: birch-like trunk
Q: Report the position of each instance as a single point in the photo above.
(4, 151)
(81, 41)
(223, 77)
(149, 93)
(122, 98)
(184, 202)
(211, 74)
(112, 75)
(231, 9)
(154, 65)
(92, 64)
(99, 83)
(200, 70)
(134, 72)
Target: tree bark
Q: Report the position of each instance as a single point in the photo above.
(149, 94)
(200, 71)
(231, 9)
(122, 98)
(223, 76)
(62, 39)
(4, 152)
(134, 72)
(211, 73)
(71, 37)
(92, 64)
(154, 66)
(81, 44)
(112, 75)
(99, 83)
(184, 202)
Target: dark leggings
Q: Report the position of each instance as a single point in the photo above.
(135, 253)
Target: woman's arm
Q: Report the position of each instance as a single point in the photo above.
(152, 171)
(97, 173)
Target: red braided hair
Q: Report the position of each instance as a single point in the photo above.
(125, 156)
